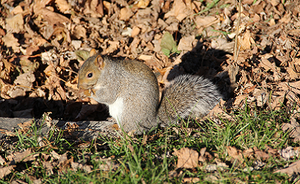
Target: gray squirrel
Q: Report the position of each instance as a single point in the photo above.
(130, 89)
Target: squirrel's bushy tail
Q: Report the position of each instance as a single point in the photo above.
(187, 95)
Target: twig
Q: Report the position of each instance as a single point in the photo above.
(236, 50)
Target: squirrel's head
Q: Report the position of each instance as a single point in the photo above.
(90, 71)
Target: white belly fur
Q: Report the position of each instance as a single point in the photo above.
(116, 109)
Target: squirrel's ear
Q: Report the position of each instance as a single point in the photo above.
(99, 62)
(93, 52)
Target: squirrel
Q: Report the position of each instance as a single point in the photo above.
(130, 90)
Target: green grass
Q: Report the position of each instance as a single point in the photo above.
(150, 159)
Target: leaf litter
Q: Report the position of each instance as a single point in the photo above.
(41, 39)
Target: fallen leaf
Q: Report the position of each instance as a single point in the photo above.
(187, 158)
(205, 21)
(294, 168)
(2, 161)
(293, 127)
(260, 154)
(87, 168)
(113, 45)
(15, 23)
(125, 13)
(185, 43)
(246, 41)
(234, 153)
(135, 31)
(168, 45)
(25, 80)
(180, 10)
(288, 153)
(26, 125)
(63, 6)
(5, 171)
(191, 180)
(145, 57)
(10, 41)
(24, 156)
(79, 32)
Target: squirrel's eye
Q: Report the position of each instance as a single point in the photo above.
(89, 75)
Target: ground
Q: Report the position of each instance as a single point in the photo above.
(249, 49)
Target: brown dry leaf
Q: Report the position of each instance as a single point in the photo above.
(292, 73)
(41, 4)
(286, 18)
(191, 180)
(10, 41)
(26, 125)
(248, 153)
(246, 41)
(293, 127)
(234, 153)
(63, 162)
(222, 44)
(125, 13)
(48, 166)
(53, 18)
(187, 158)
(145, 57)
(240, 100)
(261, 96)
(180, 10)
(79, 32)
(17, 10)
(5, 171)
(15, 24)
(6, 70)
(32, 48)
(294, 168)
(87, 168)
(8, 133)
(143, 3)
(2, 161)
(205, 21)
(107, 164)
(15, 91)
(22, 156)
(296, 63)
(289, 153)
(256, 18)
(290, 87)
(113, 45)
(63, 6)
(272, 151)
(2, 32)
(47, 119)
(261, 154)
(278, 97)
(130, 147)
(56, 92)
(135, 31)
(27, 65)
(266, 64)
(25, 80)
(185, 43)
(55, 155)
(205, 156)
(95, 8)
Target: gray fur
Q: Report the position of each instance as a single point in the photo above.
(188, 95)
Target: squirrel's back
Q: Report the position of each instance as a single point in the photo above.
(187, 95)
